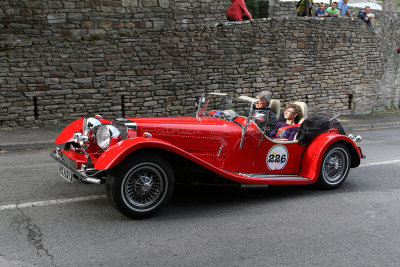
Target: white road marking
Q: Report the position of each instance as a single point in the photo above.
(28, 167)
(379, 163)
(49, 202)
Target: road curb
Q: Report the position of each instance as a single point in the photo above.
(25, 146)
(360, 127)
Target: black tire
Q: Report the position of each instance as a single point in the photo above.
(335, 167)
(141, 185)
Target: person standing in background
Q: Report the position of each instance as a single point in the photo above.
(343, 8)
(304, 7)
(238, 11)
(332, 11)
(320, 12)
(366, 16)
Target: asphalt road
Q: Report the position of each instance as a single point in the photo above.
(62, 224)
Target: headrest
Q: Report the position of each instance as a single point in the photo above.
(275, 106)
(303, 107)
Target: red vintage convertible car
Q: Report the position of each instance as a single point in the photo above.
(141, 158)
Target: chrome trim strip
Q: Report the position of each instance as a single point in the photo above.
(131, 125)
(271, 176)
(80, 174)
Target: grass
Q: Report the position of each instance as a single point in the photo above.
(388, 109)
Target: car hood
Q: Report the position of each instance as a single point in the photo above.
(189, 133)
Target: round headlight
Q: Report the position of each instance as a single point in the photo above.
(105, 134)
(89, 124)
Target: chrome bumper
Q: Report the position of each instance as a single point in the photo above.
(362, 154)
(82, 175)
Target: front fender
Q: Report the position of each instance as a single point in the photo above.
(67, 134)
(314, 152)
(117, 153)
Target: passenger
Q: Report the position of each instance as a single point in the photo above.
(285, 131)
(262, 107)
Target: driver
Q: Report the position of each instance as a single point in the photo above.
(262, 106)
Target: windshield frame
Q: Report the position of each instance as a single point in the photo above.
(204, 102)
(228, 115)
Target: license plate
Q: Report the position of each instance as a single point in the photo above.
(65, 173)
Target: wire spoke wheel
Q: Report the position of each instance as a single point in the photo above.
(144, 185)
(141, 185)
(335, 166)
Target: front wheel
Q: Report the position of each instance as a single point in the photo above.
(335, 167)
(141, 185)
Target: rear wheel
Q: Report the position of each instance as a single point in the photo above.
(335, 167)
(141, 185)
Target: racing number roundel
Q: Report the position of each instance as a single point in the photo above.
(277, 157)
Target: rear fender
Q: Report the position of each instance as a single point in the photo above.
(117, 153)
(314, 152)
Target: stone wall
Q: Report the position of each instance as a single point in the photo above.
(390, 5)
(283, 9)
(387, 25)
(163, 72)
(77, 18)
(60, 60)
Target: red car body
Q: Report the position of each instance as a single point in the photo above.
(211, 143)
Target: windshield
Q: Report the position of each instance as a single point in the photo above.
(224, 106)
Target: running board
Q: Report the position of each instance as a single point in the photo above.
(260, 178)
(271, 176)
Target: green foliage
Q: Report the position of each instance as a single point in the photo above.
(93, 38)
(387, 109)
(397, 4)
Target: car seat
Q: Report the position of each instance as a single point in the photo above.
(303, 107)
(275, 106)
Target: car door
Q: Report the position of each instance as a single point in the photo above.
(273, 157)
